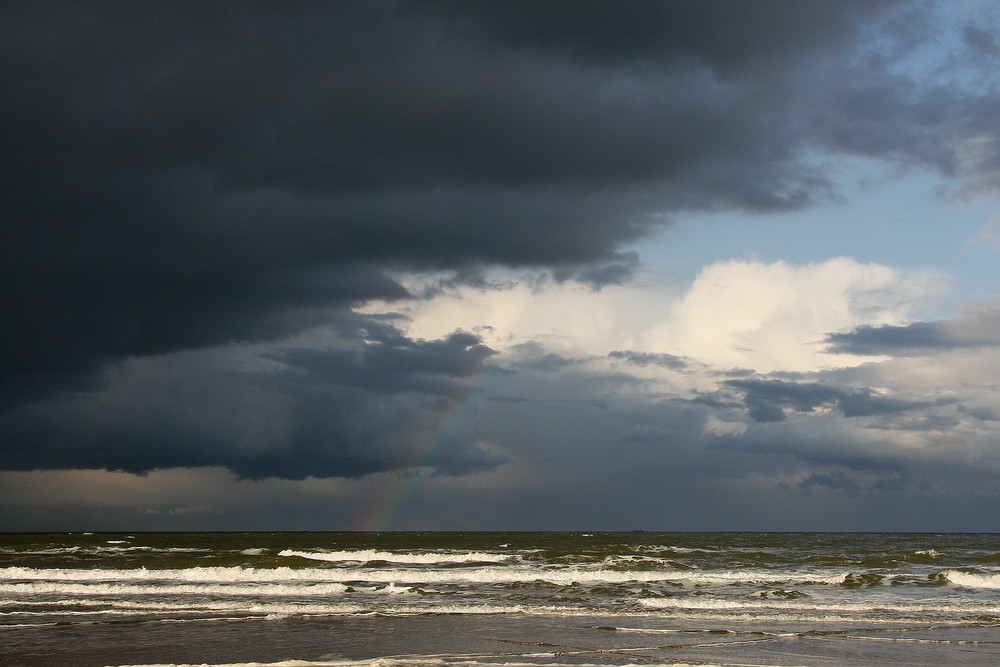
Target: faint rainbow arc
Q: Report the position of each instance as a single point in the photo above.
(400, 487)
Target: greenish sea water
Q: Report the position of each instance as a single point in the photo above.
(499, 598)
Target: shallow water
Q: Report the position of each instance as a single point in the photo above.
(500, 598)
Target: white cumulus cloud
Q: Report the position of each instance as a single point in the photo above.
(773, 316)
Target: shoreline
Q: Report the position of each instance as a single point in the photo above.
(486, 641)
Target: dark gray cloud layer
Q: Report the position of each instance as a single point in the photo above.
(977, 328)
(178, 176)
(649, 359)
(346, 411)
(767, 400)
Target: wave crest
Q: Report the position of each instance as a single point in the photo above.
(419, 558)
(972, 579)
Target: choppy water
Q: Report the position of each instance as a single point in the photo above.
(500, 598)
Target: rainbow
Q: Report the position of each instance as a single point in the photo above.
(400, 487)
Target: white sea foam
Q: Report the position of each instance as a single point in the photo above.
(54, 551)
(858, 609)
(369, 555)
(646, 560)
(679, 550)
(303, 599)
(687, 603)
(973, 580)
(111, 547)
(112, 589)
(262, 607)
(472, 575)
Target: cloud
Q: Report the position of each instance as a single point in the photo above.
(364, 395)
(394, 365)
(350, 240)
(176, 179)
(649, 359)
(989, 234)
(766, 400)
(771, 316)
(578, 443)
(978, 327)
(339, 411)
(735, 38)
(836, 480)
(984, 413)
(879, 340)
(569, 319)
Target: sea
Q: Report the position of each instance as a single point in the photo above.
(487, 598)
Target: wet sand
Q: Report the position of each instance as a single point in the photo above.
(488, 640)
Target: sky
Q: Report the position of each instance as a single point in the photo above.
(444, 265)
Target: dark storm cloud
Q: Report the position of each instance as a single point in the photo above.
(394, 366)
(179, 173)
(734, 35)
(767, 400)
(177, 176)
(344, 411)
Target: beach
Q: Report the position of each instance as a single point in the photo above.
(499, 599)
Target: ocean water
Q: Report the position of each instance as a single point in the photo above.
(474, 599)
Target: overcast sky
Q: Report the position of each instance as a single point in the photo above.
(500, 265)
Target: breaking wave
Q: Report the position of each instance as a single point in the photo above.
(423, 558)
(972, 579)
(472, 575)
